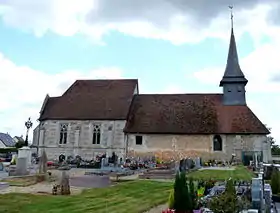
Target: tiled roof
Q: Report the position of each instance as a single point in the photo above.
(190, 114)
(7, 140)
(92, 100)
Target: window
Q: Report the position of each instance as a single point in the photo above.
(96, 134)
(217, 143)
(63, 134)
(139, 140)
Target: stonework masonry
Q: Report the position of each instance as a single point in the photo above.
(79, 138)
(180, 146)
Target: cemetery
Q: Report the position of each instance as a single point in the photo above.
(136, 185)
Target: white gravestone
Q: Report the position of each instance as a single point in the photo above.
(25, 152)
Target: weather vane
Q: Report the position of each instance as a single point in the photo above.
(231, 15)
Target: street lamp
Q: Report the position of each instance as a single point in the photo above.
(28, 125)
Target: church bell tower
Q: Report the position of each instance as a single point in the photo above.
(233, 81)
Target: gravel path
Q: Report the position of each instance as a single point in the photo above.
(158, 209)
(41, 188)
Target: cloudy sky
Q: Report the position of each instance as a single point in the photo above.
(171, 46)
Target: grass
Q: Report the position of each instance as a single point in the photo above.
(239, 173)
(126, 197)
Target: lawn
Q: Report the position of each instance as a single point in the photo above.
(240, 173)
(130, 197)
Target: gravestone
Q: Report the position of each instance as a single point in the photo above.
(267, 195)
(3, 173)
(189, 163)
(25, 152)
(181, 165)
(103, 162)
(43, 163)
(21, 167)
(64, 184)
(197, 163)
(257, 193)
(1, 167)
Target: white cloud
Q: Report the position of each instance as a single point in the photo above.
(259, 67)
(22, 91)
(178, 21)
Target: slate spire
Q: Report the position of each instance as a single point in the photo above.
(233, 72)
(233, 81)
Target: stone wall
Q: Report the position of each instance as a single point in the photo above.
(79, 138)
(179, 146)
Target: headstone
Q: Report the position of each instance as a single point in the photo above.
(103, 162)
(189, 163)
(181, 165)
(3, 173)
(64, 184)
(197, 163)
(21, 167)
(267, 196)
(43, 163)
(1, 167)
(257, 193)
(25, 152)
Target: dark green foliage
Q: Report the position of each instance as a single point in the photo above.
(20, 144)
(182, 199)
(171, 200)
(230, 188)
(228, 202)
(193, 195)
(7, 150)
(275, 182)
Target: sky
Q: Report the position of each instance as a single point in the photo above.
(171, 46)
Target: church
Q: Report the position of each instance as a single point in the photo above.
(106, 116)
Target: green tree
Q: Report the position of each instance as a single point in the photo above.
(275, 149)
(275, 182)
(193, 195)
(182, 201)
(227, 202)
(19, 144)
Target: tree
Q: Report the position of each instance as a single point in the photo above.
(19, 144)
(193, 195)
(275, 182)
(182, 201)
(227, 202)
(275, 149)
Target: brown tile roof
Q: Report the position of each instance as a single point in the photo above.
(92, 100)
(190, 114)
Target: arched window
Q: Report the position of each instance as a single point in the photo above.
(63, 134)
(217, 143)
(96, 134)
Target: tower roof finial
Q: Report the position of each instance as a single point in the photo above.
(233, 72)
(231, 15)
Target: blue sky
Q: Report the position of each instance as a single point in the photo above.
(47, 55)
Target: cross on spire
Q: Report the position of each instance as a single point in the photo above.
(231, 15)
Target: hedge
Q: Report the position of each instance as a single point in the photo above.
(6, 150)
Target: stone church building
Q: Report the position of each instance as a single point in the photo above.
(105, 116)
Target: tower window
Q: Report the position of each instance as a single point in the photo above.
(217, 143)
(239, 89)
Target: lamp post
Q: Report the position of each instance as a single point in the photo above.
(28, 125)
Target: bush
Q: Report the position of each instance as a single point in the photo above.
(7, 150)
(182, 199)
(171, 200)
(275, 182)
